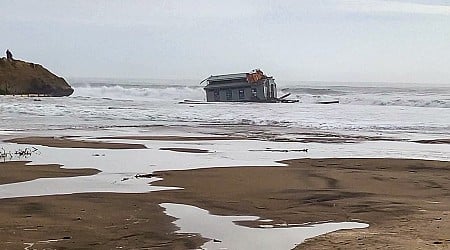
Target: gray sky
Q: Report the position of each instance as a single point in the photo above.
(323, 40)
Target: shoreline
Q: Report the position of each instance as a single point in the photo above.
(68, 142)
(405, 202)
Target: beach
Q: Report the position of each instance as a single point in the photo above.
(123, 165)
(405, 202)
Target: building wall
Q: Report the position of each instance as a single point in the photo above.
(237, 94)
(272, 88)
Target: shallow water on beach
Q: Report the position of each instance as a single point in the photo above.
(119, 167)
(226, 234)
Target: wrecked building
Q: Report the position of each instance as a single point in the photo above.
(253, 86)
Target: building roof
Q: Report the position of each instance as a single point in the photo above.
(237, 80)
(228, 77)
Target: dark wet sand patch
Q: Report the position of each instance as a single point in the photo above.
(434, 141)
(62, 142)
(175, 138)
(17, 171)
(264, 136)
(279, 150)
(186, 150)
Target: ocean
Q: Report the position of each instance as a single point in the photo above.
(118, 106)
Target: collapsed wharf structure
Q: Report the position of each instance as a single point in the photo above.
(253, 86)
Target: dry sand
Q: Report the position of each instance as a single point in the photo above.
(406, 203)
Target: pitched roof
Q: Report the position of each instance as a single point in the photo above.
(226, 77)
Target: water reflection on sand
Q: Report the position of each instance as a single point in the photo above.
(119, 166)
(225, 234)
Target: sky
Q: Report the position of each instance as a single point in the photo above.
(308, 40)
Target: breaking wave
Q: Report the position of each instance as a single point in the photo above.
(433, 98)
(118, 92)
(426, 103)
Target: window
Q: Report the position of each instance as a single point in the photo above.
(229, 94)
(216, 95)
(241, 94)
(254, 93)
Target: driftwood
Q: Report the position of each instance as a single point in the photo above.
(5, 155)
(19, 153)
(144, 176)
(26, 151)
(279, 150)
(138, 176)
(328, 102)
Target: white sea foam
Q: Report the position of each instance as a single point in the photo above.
(116, 104)
(140, 93)
(380, 96)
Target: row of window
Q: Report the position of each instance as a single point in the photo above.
(229, 94)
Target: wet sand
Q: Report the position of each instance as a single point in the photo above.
(89, 221)
(434, 141)
(63, 142)
(18, 171)
(406, 203)
(187, 150)
(175, 138)
(83, 221)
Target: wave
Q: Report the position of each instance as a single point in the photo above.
(142, 93)
(312, 91)
(425, 103)
(423, 96)
(354, 96)
(409, 98)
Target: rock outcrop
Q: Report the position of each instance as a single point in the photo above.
(25, 78)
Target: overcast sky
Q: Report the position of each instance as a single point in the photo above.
(323, 40)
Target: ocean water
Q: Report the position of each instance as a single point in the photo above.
(109, 106)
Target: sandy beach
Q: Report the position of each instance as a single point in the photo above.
(405, 202)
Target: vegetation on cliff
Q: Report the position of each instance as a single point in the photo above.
(24, 78)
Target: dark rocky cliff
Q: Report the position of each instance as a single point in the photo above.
(25, 78)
